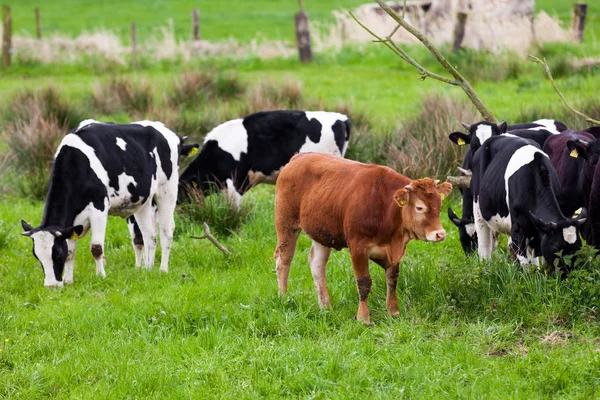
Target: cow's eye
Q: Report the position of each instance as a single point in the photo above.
(420, 209)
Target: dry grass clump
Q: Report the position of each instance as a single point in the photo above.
(31, 145)
(268, 95)
(420, 147)
(121, 94)
(195, 88)
(556, 110)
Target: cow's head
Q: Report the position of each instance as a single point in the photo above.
(187, 150)
(559, 238)
(51, 249)
(478, 133)
(466, 231)
(420, 202)
(587, 150)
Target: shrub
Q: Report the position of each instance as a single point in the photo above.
(197, 88)
(120, 94)
(216, 210)
(266, 95)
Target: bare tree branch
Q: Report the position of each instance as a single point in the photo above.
(458, 80)
(460, 182)
(562, 97)
(209, 236)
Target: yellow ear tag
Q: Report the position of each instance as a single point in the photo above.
(574, 153)
(193, 152)
(442, 196)
(74, 236)
(461, 141)
(402, 203)
(577, 212)
(194, 184)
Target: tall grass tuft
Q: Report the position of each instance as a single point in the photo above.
(32, 144)
(5, 235)
(420, 147)
(266, 96)
(216, 210)
(556, 110)
(120, 94)
(195, 89)
(45, 104)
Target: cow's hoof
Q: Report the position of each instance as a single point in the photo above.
(164, 270)
(364, 319)
(68, 281)
(394, 313)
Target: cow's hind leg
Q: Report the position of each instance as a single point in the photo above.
(360, 263)
(166, 208)
(485, 236)
(317, 258)
(287, 236)
(146, 221)
(391, 277)
(137, 241)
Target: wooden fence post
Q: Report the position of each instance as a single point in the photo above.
(303, 35)
(38, 23)
(578, 21)
(6, 36)
(133, 46)
(196, 22)
(459, 30)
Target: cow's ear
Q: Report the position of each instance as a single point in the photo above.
(578, 148)
(502, 127)
(189, 150)
(453, 217)
(580, 216)
(444, 189)
(72, 233)
(27, 229)
(459, 138)
(546, 227)
(401, 197)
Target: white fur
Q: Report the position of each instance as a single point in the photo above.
(549, 124)
(483, 133)
(500, 224)
(85, 123)
(520, 158)
(486, 240)
(119, 200)
(43, 242)
(233, 195)
(470, 228)
(570, 234)
(326, 143)
(432, 236)
(231, 136)
(121, 143)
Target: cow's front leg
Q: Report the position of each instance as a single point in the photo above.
(235, 198)
(137, 241)
(287, 237)
(391, 277)
(70, 261)
(166, 208)
(317, 259)
(485, 237)
(98, 227)
(360, 263)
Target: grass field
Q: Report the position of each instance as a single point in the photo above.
(214, 327)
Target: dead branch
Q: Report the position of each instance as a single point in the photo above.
(209, 236)
(460, 182)
(562, 97)
(458, 80)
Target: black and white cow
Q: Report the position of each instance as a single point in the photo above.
(242, 153)
(101, 169)
(538, 131)
(514, 188)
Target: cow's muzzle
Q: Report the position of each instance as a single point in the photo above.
(436, 236)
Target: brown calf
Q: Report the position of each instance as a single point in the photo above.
(371, 209)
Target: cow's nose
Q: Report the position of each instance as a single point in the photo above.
(440, 235)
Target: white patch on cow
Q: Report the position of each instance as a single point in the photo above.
(549, 124)
(544, 128)
(531, 256)
(570, 234)
(500, 224)
(75, 141)
(486, 240)
(519, 159)
(42, 245)
(120, 201)
(231, 137)
(121, 143)
(85, 123)
(326, 144)
(483, 133)
(523, 260)
(470, 229)
(233, 195)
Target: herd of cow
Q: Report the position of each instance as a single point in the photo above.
(534, 182)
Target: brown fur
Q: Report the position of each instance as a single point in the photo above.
(368, 208)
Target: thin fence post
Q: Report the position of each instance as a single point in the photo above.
(303, 35)
(196, 22)
(459, 30)
(6, 35)
(133, 46)
(578, 21)
(38, 23)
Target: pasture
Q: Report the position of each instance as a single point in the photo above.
(214, 326)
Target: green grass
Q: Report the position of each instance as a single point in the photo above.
(215, 327)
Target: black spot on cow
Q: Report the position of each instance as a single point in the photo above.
(314, 130)
(340, 132)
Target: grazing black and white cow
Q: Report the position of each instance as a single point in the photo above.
(514, 188)
(242, 153)
(538, 131)
(101, 169)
